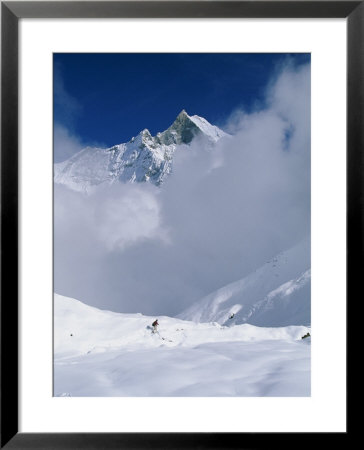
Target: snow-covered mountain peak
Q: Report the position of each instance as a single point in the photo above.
(145, 134)
(214, 133)
(144, 138)
(143, 158)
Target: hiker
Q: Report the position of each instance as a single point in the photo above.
(155, 325)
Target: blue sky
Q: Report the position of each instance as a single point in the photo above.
(107, 98)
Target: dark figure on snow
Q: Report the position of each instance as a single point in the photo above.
(155, 325)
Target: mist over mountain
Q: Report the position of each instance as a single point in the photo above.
(185, 221)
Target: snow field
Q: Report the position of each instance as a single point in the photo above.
(101, 353)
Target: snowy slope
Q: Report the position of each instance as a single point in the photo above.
(277, 294)
(101, 353)
(143, 158)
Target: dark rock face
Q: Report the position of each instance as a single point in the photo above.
(182, 131)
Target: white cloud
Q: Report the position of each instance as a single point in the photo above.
(128, 215)
(111, 218)
(65, 144)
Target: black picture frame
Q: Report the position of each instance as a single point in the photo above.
(11, 12)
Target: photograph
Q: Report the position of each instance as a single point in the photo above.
(182, 224)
